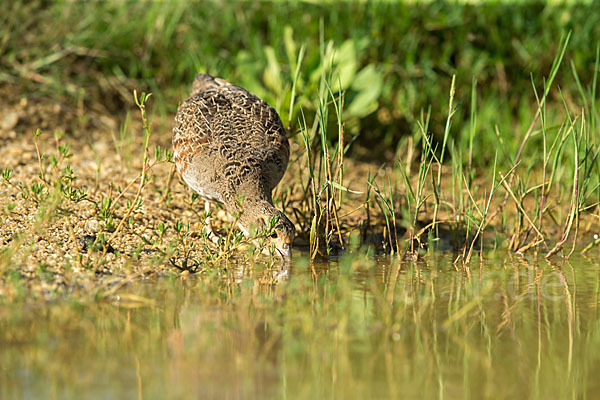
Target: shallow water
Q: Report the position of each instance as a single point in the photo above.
(355, 328)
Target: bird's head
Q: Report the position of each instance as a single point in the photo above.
(274, 225)
(281, 233)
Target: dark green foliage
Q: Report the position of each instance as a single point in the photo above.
(394, 60)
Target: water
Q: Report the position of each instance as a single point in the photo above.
(355, 328)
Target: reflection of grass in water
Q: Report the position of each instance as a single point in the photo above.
(351, 329)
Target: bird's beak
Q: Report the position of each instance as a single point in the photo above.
(285, 251)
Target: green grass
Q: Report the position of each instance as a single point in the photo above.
(392, 60)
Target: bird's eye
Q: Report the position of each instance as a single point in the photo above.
(274, 235)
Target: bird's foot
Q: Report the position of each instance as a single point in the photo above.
(210, 232)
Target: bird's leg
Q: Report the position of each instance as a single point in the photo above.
(207, 228)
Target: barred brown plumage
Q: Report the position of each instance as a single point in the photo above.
(229, 145)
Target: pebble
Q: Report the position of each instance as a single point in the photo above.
(9, 121)
(92, 226)
(108, 122)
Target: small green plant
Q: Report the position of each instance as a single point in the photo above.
(147, 130)
(6, 173)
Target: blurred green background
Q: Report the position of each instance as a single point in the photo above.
(393, 61)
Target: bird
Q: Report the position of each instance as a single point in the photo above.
(230, 147)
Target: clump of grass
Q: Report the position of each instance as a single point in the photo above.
(415, 195)
(385, 199)
(325, 163)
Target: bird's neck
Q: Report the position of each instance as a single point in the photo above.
(252, 212)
